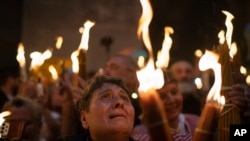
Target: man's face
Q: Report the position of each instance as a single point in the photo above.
(110, 111)
(182, 71)
(118, 67)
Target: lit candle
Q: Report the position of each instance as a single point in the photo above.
(37, 60)
(53, 73)
(83, 47)
(75, 67)
(151, 79)
(208, 120)
(59, 41)
(21, 59)
(230, 74)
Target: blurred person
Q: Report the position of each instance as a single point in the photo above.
(106, 111)
(70, 121)
(182, 125)
(183, 72)
(24, 110)
(50, 103)
(9, 81)
(125, 67)
(52, 112)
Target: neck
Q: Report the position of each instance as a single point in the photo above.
(174, 123)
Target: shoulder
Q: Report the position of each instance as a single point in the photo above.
(191, 117)
(191, 120)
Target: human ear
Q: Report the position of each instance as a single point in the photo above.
(83, 120)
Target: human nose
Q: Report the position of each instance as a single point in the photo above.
(169, 98)
(106, 70)
(117, 102)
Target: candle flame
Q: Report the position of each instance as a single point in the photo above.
(210, 61)
(198, 83)
(2, 115)
(53, 72)
(233, 50)
(248, 79)
(20, 55)
(39, 58)
(149, 77)
(141, 61)
(144, 21)
(85, 35)
(229, 25)
(221, 36)
(75, 62)
(243, 70)
(163, 55)
(59, 42)
(198, 53)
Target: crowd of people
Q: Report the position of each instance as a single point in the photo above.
(102, 108)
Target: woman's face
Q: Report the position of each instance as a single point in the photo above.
(172, 100)
(110, 111)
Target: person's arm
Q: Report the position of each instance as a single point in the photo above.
(69, 114)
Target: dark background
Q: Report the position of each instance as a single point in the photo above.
(196, 24)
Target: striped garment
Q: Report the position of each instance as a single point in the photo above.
(182, 133)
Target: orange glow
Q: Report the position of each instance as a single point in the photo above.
(163, 55)
(53, 72)
(210, 61)
(85, 34)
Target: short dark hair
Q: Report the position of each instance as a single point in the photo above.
(95, 83)
(131, 62)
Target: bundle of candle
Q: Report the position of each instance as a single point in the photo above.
(208, 120)
(230, 113)
(207, 123)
